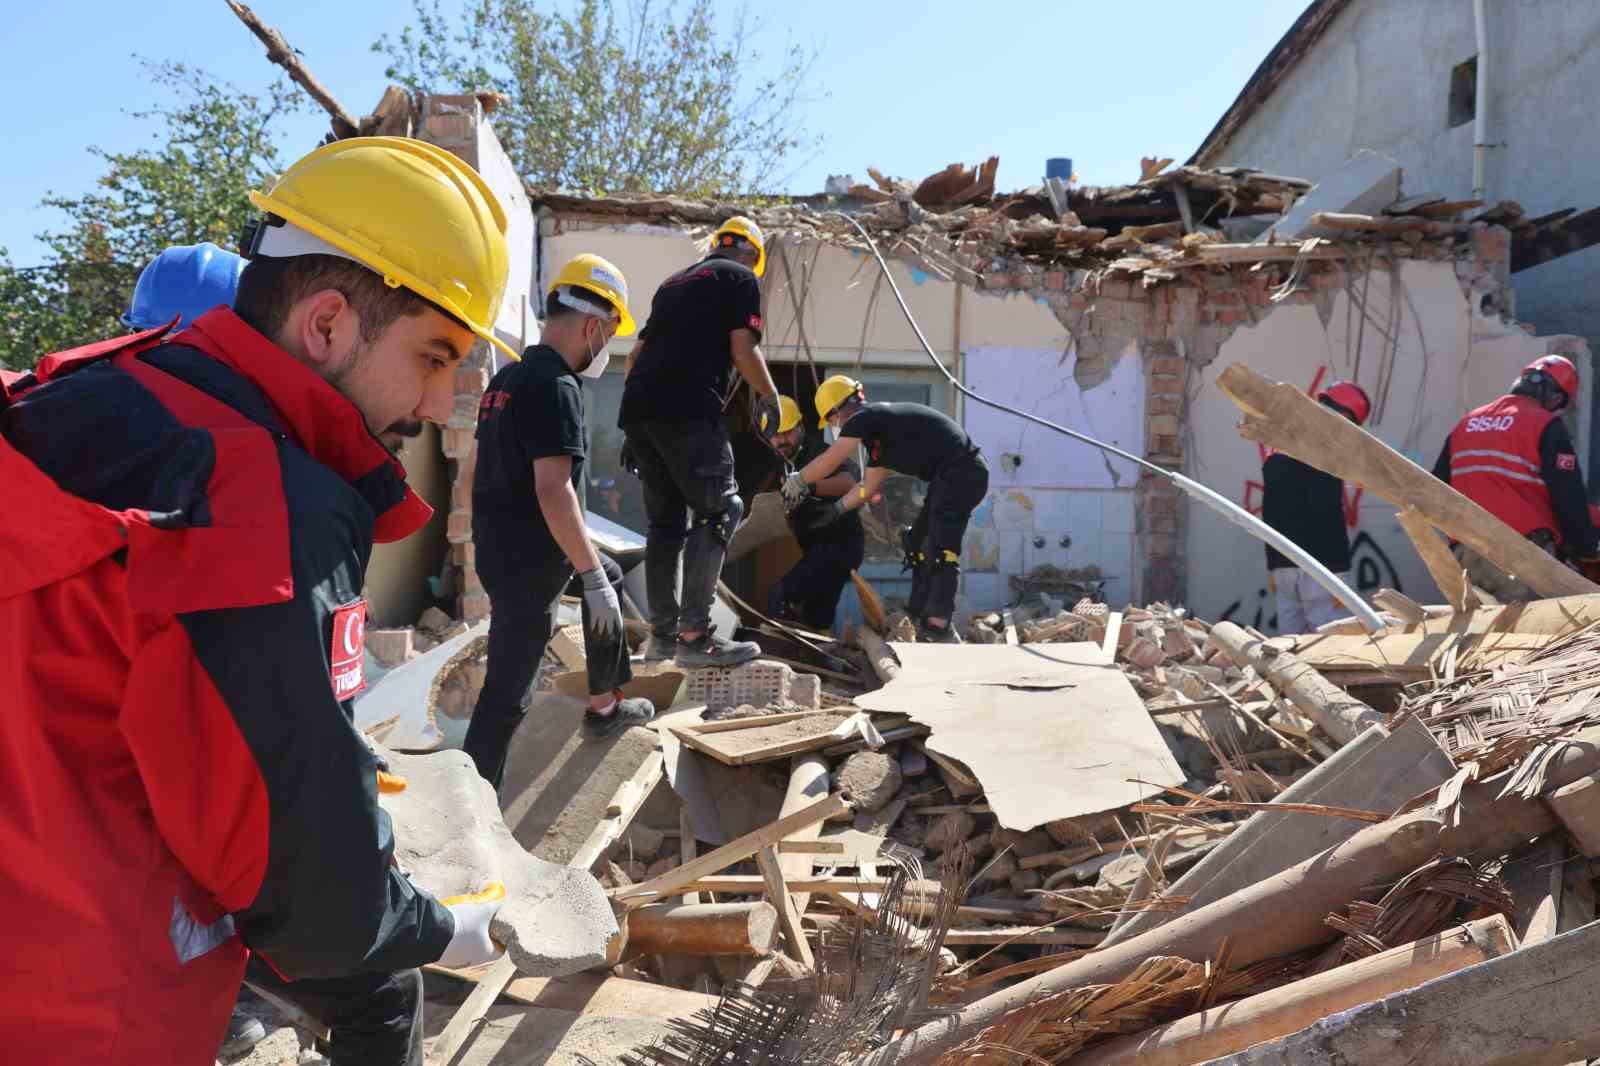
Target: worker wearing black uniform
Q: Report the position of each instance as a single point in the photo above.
(1307, 506)
(705, 322)
(527, 517)
(1514, 457)
(907, 438)
(810, 591)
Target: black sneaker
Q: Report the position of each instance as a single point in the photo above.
(945, 634)
(660, 649)
(244, 1032)
(711, 650)
(635, 710)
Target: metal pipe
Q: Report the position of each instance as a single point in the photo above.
(1215, 501)
(1480, 104)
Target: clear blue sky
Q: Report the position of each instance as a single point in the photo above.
(910, 87)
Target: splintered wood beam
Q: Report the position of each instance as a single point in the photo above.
(1283, 417)
(680, 878)
(279, 51)
(1443, 567)
(788, 916)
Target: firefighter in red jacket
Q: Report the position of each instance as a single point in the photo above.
(1515, 458)
(181, 617)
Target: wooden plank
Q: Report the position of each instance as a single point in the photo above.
(1442, 565)
(811, 847)
(1281, 416)
(1537, 1006)
(707, 741)
(1236, 1026)
(1339, 714)
(1081, 938)
(703, 930)
(755, 884)
(687, 848)
(683, 877)
(1400, 605)
(731, 725)
(871, 605)
(1113, 632)
(788, 916)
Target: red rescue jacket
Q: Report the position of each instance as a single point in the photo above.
(1495, 462)
(182, 553)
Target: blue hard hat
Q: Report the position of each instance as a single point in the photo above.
(186, 280)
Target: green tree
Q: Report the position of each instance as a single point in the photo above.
(212, 144)
(658, 98)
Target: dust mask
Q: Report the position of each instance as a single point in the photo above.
(597, 363)
(597, 360)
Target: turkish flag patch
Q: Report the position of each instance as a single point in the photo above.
(347, 657)
(755, 323)
(1566, 461)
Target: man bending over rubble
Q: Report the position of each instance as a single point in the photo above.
(914, 439)
(181, 569)
(527, 516)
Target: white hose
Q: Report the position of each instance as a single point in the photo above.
(1212, 499)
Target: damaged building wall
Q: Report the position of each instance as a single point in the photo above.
(1395, 78)
(1425, 352)
(1063, 505)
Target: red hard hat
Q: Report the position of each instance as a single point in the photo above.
(1351, 397)
(1557, 368)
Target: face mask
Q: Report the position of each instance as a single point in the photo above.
(597, 362)
(830, 435)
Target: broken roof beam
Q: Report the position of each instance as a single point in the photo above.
(1283, 417)
(282, 53)
(1561, 237)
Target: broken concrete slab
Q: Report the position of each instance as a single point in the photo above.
(398, 710)
(767, 521)
(1022, 718)
(1375, 771)
(450, 839)
(1366, 184)
(558, 785)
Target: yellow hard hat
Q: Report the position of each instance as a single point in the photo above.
(409, 211)
(599, 276)
(740, 226)
(788, 414)
(831, 393)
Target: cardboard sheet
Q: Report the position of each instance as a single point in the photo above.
(1050, 730)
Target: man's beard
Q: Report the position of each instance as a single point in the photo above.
(394, 438)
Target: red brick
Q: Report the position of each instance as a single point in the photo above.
(1227, 297)
(1168, 364)
(471, 583)
(1078, 301)
(474, 608)
(1230, 318)
(1160, 545)
(1162, 405)
(1056, 280)
(1162, 425)
(471, 380)
(1161, 505)
(1026, 281)
(458, 527)
(1161, 523)
(997, 281)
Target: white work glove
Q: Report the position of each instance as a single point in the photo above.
(794, 489)
(471, 945)
(605, 613)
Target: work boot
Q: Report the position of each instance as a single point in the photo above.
(625, 713)
(711, 650)
(245, 1031)
(659, 649)
(945, 634)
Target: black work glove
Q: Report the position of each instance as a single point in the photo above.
(767, 416)
(913, 555)
(627, 460)
(821, 518)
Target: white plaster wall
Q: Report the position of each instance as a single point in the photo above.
(515, 324)
(1062, 489)
(1379, 78)
(1446, 358)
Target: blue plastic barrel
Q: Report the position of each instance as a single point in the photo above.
(1058, 168)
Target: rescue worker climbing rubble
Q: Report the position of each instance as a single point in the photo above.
(810, 591)
(1307, 506)
(527, 516)
(914, 439)
(180, 601)
(705, 323)
(1514, 457)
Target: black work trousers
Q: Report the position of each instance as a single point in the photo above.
(522, 614)
(375, 1018)
(692, 504)
(814, 584)
(953, 494)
